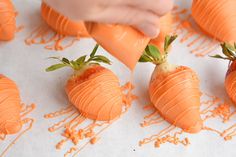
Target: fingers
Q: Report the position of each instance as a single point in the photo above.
(145, 21)
(159, 7)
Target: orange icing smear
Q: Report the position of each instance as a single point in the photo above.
(217, 18)
(123, 42)
(80, 130)
(7, 20)
(98, 97)
(65, 31)
(10, 107)
(176, 96)
(230, 86)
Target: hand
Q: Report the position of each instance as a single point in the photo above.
(141, 14)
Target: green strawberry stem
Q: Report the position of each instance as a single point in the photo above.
(229, 51)
(152, 53)
(79, 63)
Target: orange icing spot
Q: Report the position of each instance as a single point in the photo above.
(97, 96)
(216, 18)
(176, 96)
(63, 28)
(7, 20)
(12, 112)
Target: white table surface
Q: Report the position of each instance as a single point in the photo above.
(26, 64)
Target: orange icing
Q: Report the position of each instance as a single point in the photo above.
(73, 120)
(230, 85)
(176, 96)
(12, 112)
(216, 18)
(63, 29)
(7, 20)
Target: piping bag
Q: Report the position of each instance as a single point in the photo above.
(124, 42)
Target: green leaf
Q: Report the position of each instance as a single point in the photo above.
(75, 64)
(230, 48)
(145, 58)
(81, 59)
(55, 67)
(226, 51)
(154, 52)
(94, 50)
(100, 58)
(220, 57)
(168, 41)
(235, 45)
(65, 60)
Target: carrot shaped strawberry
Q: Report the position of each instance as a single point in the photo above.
(229, 51)
(7, 20)
(93, 89)
(10, 107)
(174, 90)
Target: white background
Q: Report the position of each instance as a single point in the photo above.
(26, 65)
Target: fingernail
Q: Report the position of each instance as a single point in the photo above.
(152, 32)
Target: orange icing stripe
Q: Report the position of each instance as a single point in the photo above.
(7, 20)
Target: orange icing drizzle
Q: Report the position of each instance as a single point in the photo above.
(7, 20)
(213, 107)
(12, 112)
(63, 28)
(74, 121)
(216, 18)
(196, 40)
(176, 96)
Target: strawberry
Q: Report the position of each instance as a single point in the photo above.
(229, 52)
(174, 90)
(93, 89)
